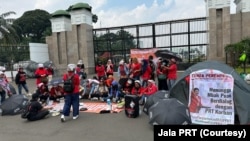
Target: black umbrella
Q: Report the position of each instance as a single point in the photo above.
(165, 54)
(169, 111)
(151, 100)
(56, 81)
(12, 89)
(14, 104)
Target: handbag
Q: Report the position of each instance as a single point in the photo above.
(162, 76)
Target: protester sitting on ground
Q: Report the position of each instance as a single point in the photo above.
(20, 80)
(149, 90)
(56, 92)
(137, 89)
(43, 92)
(109, 68)
(37, 110)
(91, 84)
(126, 87)
(101, 91)
(41, 75)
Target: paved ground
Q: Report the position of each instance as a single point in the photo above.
(88, 127)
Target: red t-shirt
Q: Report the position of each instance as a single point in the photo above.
(76, 81)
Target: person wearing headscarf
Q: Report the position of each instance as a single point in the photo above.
(109, 68)
(20, 80)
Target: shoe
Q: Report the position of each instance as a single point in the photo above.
(62, 118)
(75, 117)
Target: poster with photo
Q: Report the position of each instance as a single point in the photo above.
(211, 97)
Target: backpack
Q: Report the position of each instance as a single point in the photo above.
(68, 85)
(26, 110)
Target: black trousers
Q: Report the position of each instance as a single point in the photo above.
(38, 116)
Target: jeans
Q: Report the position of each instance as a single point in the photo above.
(170, 83)
(20, 86)
(71, 99)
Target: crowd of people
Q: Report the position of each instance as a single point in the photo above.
(136, 77)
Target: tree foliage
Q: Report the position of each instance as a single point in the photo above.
(34, 25)
(8, 34)
(235, 50)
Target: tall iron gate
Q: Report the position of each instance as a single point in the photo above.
(187, 38)
(11, 54)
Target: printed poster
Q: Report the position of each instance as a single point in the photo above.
(211, 97)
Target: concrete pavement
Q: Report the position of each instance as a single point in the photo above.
(88, 127)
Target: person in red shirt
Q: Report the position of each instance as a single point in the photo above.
(149, 90)
(137, 89)
(100, 70)
(56, 92)
(71, 98)
(172, 73)
(135, 69)
(145, 72)
(195, 104)
(109, 68)
(3, 69)
(41, 75)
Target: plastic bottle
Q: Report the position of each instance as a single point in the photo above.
(109, 103)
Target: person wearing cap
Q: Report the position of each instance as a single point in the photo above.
(149, 90)
(80, 70)
(137, 89)
(56, 92)
(126, 87)
(172, 73)
(41, 74)
(37, 110)
(20, 81)
(43, 92)
(71, 98)
(109, 68)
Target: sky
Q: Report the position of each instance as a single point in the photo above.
(118, 12)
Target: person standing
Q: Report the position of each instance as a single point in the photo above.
(41, 75)
(172, 73)
(71, 98)
(100, 70)
(109, 68)
(20, 80)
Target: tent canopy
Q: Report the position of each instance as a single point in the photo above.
(241, 92)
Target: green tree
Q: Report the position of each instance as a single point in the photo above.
(34, 25)
(8, 34)
(234, 51)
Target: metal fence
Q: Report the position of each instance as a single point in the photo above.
(11, 54)
(187, 38)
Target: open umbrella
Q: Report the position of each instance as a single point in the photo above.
(14, 104)
(151, 100)
(169, 112)
(56, 81)
(166, 54)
